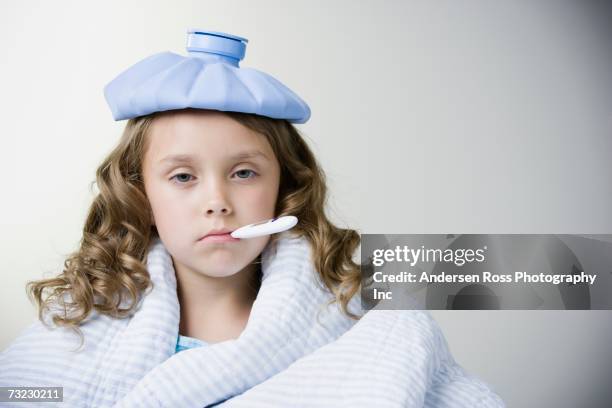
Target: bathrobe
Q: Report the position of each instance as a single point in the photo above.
(297, 350)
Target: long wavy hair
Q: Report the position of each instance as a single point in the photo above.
(110, 265)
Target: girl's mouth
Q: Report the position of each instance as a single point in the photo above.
(219, 238)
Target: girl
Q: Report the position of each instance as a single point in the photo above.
(210, 147)
(181, 175)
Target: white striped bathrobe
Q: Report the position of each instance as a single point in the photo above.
(294, 352)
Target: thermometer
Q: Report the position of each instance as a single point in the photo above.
(267, 227)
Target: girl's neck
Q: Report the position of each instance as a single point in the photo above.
(215, 309)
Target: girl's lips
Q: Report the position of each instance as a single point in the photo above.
(219, 238)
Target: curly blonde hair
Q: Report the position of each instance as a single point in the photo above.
(110, 265)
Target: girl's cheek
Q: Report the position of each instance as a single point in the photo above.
(170, 206)
(262, 199)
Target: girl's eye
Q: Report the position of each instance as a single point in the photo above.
(183, 178)
(247, 172)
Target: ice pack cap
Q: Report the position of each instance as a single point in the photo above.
(209, 77)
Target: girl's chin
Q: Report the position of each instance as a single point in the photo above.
(226, 273)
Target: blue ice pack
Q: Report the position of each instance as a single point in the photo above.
(209, 77)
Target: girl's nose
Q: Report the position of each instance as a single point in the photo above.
(216, 200)
(218, 207)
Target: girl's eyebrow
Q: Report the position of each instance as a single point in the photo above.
(187, 158)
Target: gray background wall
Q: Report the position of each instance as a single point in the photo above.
(428, 117)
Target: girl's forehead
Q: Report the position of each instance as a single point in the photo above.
(193, 123)
(206, 134)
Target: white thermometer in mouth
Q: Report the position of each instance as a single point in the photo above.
(267, 227)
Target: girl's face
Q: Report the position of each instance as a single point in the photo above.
(203, 171)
